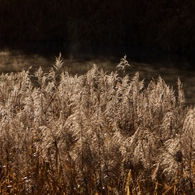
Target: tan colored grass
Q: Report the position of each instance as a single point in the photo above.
(98, 133)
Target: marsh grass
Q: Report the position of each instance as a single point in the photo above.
(97, 133)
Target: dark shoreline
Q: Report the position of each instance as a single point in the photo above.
(115, 52)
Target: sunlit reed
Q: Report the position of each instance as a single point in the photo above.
(97, 133)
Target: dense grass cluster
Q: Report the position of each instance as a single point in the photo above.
(98, 133)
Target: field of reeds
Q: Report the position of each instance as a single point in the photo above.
(99, 133)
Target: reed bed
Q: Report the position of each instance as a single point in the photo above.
(98, 133)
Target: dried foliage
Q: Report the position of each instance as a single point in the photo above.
(98, 133)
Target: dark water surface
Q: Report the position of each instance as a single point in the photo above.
(77, 60)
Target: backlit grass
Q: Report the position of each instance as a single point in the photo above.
(98, 133)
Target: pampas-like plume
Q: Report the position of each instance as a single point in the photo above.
(98, 133)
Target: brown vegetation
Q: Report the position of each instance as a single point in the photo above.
(98, 133)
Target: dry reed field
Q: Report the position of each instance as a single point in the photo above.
(95, 134)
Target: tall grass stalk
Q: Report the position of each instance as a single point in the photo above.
(98, 133)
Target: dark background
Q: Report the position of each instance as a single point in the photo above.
(164, 25)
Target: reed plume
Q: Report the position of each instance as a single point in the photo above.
(97, 133)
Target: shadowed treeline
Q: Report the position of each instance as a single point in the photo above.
(167, 25)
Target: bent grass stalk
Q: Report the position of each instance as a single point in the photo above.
(98, 133)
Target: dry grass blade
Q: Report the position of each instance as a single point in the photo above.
(98, 133)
